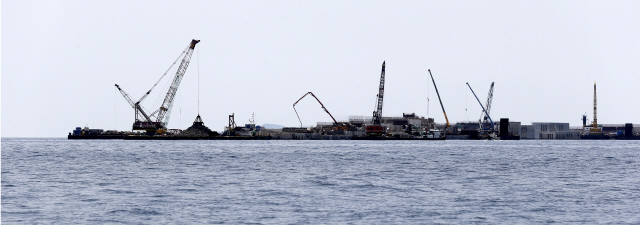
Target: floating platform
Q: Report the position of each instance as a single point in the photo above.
(96, 136)
(144, 137)
(510, 137)
(595, 137)
(397, 138)
(197, 138)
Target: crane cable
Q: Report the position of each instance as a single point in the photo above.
(165, 73)
(294, 109)
(465, 103)
(157, 103)
(166, 86)
(115, 110)
(198, 80)
(427, 98)
(180, 100)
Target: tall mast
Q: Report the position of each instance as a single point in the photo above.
(595, 107)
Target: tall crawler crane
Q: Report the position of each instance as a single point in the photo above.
(157, 121)
(376, 128)
(483, 109)
(483, 118)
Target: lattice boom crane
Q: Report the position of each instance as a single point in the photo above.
(483, 109)
(377, 115)
(483, 117)
(376, 128)
(145, 121)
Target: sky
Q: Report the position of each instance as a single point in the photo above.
(61, 59)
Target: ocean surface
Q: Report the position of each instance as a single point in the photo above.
(60, 181)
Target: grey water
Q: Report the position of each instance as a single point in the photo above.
(59, 181)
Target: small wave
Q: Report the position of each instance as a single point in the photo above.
(117, 211)
(21, 212)
(365, 186)
(186, 189)
(323, 183)
(113, 191)
(275, 193)
(106, 221)
(160, 196)
(481, 178)
(144, 212)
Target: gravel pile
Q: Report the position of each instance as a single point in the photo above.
(198, 129)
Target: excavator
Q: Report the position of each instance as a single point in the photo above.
(157, 121)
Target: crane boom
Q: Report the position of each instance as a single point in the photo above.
(485, 111)
(594, 127)
(377, 115)
(483, 118)
(139, 112)
(165, 108)
(376, 129)
(325, 109)
(445, 113)
(126, 96)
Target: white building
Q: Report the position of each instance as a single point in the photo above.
(548, 131)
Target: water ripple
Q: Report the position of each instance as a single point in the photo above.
(319, 182)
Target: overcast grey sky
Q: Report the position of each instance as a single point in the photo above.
(61, 59)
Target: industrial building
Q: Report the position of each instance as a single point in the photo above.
(619, 129)
(514, 128)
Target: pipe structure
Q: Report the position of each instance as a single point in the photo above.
(321, 105)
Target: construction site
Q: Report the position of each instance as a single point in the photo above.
(153, 124)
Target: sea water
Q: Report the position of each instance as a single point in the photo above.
(60, 181)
